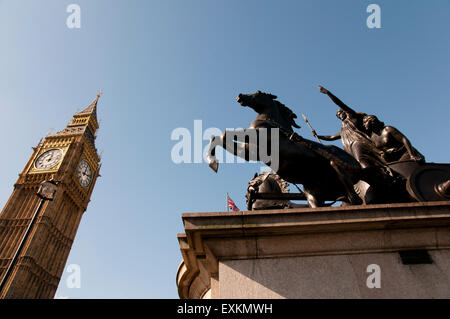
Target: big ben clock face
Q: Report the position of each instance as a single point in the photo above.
(48, 159)
(84, 173)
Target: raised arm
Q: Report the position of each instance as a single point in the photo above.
(330, 137)
(336, 101)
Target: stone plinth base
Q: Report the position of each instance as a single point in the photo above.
(332, 252)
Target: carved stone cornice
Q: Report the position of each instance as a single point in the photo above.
(211, 238)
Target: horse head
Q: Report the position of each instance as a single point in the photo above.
(259, 101)
(266, 183)
(266, 104)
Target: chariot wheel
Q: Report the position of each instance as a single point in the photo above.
(429, 182)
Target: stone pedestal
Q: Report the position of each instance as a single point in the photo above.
(331, 252)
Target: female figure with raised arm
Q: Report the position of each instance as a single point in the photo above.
(354, 139)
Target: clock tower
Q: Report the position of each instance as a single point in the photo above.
(33, 269)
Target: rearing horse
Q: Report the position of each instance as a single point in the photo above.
(327, 173)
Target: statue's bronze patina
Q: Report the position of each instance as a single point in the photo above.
(270, 191)
(354, 140)
(378, 163)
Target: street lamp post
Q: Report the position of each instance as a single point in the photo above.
(46, 191)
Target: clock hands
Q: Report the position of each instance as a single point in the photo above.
(84, 173)
(48, 159)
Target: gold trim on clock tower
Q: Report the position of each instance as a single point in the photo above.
(40, 265)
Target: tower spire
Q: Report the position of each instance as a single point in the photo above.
(92, 108)
(84, 122)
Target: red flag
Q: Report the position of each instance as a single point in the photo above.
(232, 205)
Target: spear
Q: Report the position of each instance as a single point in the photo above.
(312, 130)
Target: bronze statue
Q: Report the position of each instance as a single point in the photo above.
(368, 139)
(379, 164)
(270, 191)
(393, 144)
(354, 139)
(326, 171)
(394, 169)
(378, 183)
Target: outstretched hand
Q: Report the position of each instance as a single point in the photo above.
(323, 90)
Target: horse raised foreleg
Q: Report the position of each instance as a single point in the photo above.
(242, 143)
(211, 153)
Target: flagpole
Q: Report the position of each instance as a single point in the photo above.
(228, 207)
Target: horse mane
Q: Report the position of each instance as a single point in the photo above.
(287, 113)
(284, 110)
(258, 179)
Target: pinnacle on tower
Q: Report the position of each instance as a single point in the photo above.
(92, 108)
(84, 122)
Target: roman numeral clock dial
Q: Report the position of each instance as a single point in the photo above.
(48, 159)
(84, 173)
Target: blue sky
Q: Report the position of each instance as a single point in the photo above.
(162, 65)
